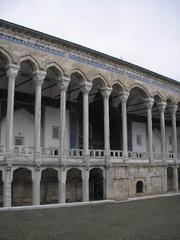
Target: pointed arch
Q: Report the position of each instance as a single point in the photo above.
(141, 87)
(56, 66)
(8, 58)
(79, 73)
(33, 62)
(157, 96)
(118, 85)
(170, 100)
(100, 79)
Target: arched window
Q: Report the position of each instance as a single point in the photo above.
(139, 187)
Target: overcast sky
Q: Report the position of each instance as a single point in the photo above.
(143, 32)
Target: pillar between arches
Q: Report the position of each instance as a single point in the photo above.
(7, 184)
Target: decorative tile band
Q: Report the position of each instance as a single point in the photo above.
(86, 61)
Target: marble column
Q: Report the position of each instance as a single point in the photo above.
(12, 72)
(123, 98)
(36, 179)
(62, 185)
(85, 89)
(162, 107)
(7, 183)
(63, 86)
(85, 184)
(38, 78)
(106, 94)
(149, 103)
(173, 110)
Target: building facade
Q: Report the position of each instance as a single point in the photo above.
(79, 125)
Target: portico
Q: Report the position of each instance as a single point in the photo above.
(67, 122)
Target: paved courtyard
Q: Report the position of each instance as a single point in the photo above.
(155, 219)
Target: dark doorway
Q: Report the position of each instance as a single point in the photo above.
(96, 184)
(139, 187)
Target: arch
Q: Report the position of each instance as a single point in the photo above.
(6, 56)
(96, 184)
(1, 188)
(49, 186)
(170, 100)
(56, 66)
(74, 185)
(119, 85)
(139, 186)
(78, 73)
(22, 187)
(170, 178)
(100, 80)
(33, 62)
(142, 89)
(158, 97)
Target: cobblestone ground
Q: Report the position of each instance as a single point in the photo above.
(155, 219)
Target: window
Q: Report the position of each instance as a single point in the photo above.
(139, 140)
(55, 132)
(19, 140)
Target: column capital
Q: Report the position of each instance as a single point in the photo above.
(149, 102)
(173, 109)
(106, 92)
(39, 77)
(123, 96)
(162, 106)
(86, 87)
(64, 82)
(12, 70)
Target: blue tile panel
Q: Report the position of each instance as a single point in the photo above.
(86, 61)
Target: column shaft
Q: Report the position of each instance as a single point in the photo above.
(174, 130)
(123, 98)
(149, 105)
(36, 187)
(38, 78)
(106, 93)
(63, 85)
(162, 106)
(62, 186)
(85, 185)
(7, 189)
(12, 73)
(85, 88)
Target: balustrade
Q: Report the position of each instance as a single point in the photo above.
(2, 150)
(116, 154)
(22, 150)
(138, 155)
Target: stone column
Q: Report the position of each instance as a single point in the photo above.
(162, 107)
(63, 85)
(62, 185)
(85, 184)
(7, 181)
(38, 78)
(36, 179)
(175, 179)
(173, 110)
(149, 104)
(106, 93)
(85, 89)
(123, 98)
(12, 72)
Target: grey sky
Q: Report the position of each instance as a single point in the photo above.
(143, 32)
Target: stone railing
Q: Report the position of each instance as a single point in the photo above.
(75, 152)
(158, 156)
(96, 153)
(49, 151)
(116, 153)
(138, 155)
(170, 156)
(2, 150)
(22, 150)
